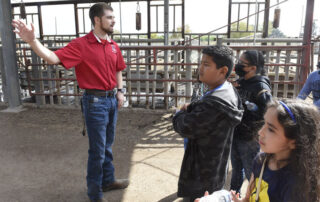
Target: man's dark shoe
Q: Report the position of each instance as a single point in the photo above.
(117, 184)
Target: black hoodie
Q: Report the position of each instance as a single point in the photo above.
(208, 124)
(257, 90)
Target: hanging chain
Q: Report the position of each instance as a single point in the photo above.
(138, 7)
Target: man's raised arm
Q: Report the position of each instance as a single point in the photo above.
(28, 35)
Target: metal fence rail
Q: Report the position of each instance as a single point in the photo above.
(153, 81)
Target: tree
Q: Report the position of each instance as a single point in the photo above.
(187, 29)
(156, 36)
(276, 33)
(242, 27)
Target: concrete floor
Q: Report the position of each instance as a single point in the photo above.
(43, 156)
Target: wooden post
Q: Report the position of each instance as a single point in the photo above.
(75, 88)
(128, 83)
(50, 83)
(189, 76)
(176, 69)
(147, 77)
(298, 72)
(67, 86)
(307, 41)
(276, 74)
(154, 83)
(50, 67)
(58, 86)
(36, 74)
(286, 72)
(138, 76)
(3, 80)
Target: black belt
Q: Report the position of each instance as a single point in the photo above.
(101, 93)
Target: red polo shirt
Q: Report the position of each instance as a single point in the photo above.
(95, 62)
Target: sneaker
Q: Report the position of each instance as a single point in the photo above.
(117, 184)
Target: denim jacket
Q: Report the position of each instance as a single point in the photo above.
(312, 85)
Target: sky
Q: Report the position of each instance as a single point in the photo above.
(201, 16)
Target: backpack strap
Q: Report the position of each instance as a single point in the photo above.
(263, 91)
(260, 179)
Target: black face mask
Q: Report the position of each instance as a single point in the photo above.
(239, 70)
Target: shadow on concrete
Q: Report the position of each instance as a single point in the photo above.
(169, 198)
(43, 156)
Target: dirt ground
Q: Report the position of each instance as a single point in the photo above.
(43, 156)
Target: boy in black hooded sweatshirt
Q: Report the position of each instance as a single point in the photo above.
(208, 124)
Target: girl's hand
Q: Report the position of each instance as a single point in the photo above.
(205, 194)
(235, 197)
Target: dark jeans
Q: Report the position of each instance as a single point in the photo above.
(100, 116)
(243, 153)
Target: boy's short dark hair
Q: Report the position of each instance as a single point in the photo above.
(221, 55)
(97, 10)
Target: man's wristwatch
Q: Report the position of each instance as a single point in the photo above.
(121, 90)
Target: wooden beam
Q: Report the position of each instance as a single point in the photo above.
(307, 40)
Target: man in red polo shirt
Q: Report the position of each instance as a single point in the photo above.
(98, 63)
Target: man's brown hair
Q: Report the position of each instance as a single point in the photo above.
(97, 10)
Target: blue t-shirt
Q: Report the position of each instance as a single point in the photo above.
(312, 85)
(276, 185)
